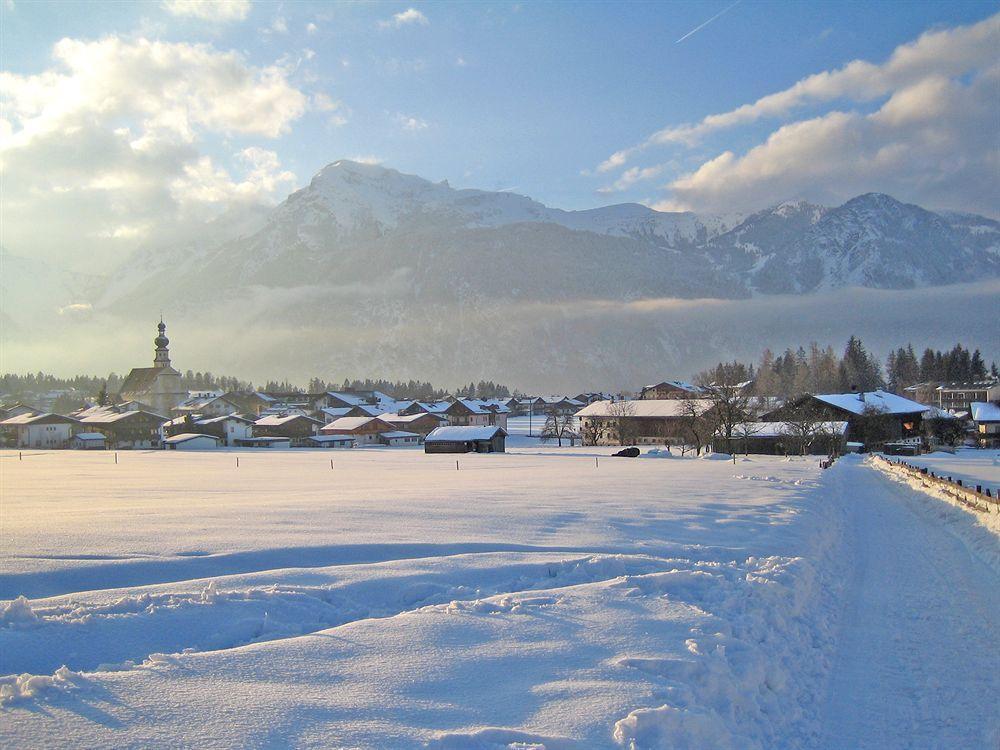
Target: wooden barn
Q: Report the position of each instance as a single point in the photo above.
(466, 439)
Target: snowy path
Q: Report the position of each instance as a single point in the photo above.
(918, 649)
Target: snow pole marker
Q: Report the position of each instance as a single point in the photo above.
(331, 464)
(456, 464)
(116, 458)
(237, 462)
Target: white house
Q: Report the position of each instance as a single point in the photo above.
(230, 427)
(44, 430)
(189, 441)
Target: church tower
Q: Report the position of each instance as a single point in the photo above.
(162, 358)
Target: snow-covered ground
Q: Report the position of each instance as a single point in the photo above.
(971, 465)
(554, 598)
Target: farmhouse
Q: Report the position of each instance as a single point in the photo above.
(364, 430)
(873, 417)
(786, 438)
(296, 427)
(423, 423)
(228, 428)
(124, 426)
(44, 430)
(207, 405)
(399, 437)
(466, 439)
(640, 422)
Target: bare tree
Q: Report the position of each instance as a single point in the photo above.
(622, 413)
(746, 430)
(558, 428)
(696, 424)
(732, 404)
(591, 430)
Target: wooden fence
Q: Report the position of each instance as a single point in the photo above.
(977, 497)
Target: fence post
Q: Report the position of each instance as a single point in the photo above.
(456, 464)
(116, 458)
(237, 462)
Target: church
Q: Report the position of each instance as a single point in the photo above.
(159, 386)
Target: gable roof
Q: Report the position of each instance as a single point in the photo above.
(140, 379)
(275, 420)
(185, 436)
(882, 401)
(676, 384)
(985, 411)
(352, 423)
(664, 407)
(43, 418)
(459, 434)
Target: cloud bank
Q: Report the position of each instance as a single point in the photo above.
(931, 139)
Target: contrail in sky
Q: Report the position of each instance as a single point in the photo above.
(699, 28)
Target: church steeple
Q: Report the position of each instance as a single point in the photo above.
(162, 358)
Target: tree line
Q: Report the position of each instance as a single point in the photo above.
(819, 370)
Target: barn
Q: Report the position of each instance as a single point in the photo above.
(190, 441)
(466, 439)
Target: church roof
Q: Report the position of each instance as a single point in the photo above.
(140, 381)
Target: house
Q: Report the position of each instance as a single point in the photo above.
(249, 402)
(364, 430)
(88, 441)
(986, 417)
(399, 437)
(422, 423)
(671, 389)
(328, 441)
(206, 405)
(17, 409)
(124, 426)
(466, 439)
(641, 421)
(229, 427)
(589, 398)
(45, 430)
(959, 396)
(189, 441)
(159, 385)
(873, 417)
(294, 426)
(784, 438)
(560, 406)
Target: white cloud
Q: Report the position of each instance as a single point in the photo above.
(279, 25)
(311, 28)
(367, 159)
(631, 176)
(949, 52)
(412, 124)
(930, 140)
(108, 143)
(209, 10)
(407, 17)
(932, 143)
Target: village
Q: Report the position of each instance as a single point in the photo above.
(153, 411)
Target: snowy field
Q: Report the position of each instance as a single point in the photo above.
(971, 465)
(547, 597)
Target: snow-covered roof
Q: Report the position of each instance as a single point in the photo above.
(89, 436)
(349, 423)
(398, 434)
(985, 411)
(275, 420)
(457, 433)
(407, 418)
(43, 418)
(883, 401)
(679, 384)
(645, 407)
(223, 418)
(934, 412)
(185, 436)
(785, 429)
(331, 438)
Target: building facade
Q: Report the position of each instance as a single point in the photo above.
(159, 386)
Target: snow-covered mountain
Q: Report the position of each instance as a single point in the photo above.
(370, 271)
(367, 226)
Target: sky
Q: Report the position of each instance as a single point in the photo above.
(124, 124)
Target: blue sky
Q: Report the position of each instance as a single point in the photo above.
(522, 96)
